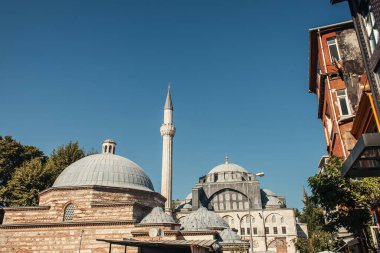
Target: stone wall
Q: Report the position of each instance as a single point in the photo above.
(91, 204)
(63, 239)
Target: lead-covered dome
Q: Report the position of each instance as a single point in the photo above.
(228, 167)
(203, 219)
(104, 169)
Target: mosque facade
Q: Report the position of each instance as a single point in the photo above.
(107, 203)
(258, 215)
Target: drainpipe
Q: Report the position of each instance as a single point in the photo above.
(330, 95)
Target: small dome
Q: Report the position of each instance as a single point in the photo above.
(229, 236)
(157, 216)
(273, 201)
(269, 192)
(104, 170)
(202, 219)
(184, 205)
(189, 196)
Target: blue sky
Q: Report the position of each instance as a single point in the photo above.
(91, 70)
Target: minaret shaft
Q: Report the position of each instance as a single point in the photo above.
(167, 132)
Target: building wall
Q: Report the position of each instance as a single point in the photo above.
(91, 204)
(237, 219)
(63, 239)
(338, 76)
(100, 213)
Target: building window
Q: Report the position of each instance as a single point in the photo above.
(275, 230)
(248, 231)
(254, 230)
(343, 102)
(266, 230)
(242, 232)
(69, 212)
(333, 49)
(370, 26)
(284, 230)
(273, 219)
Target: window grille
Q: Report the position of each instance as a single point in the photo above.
(69, 212)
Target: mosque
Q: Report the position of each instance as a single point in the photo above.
(107, 203)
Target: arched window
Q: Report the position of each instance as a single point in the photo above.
(69, 212)
(273, 218)
(245, 225)
(110, 149)
(105, 149)
(229, 219)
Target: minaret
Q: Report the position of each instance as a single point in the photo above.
(167, 132)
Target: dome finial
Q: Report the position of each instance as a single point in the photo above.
(109, 147)
(226, 159)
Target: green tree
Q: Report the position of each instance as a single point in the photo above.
(62, 157)
(33, 176)
(26, 183)
(319, 239)
(13, 155)
(346, 202)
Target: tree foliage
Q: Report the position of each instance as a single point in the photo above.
(13, 155)
(62, 157)
(319, 239)
(346, 202)
(29, 172)
(26, 183)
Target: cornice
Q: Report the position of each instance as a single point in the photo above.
(68, 224)
(26, 208)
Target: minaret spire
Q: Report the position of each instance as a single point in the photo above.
(168, 102)
(167, 132)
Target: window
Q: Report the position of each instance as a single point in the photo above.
(372, 32)
(273, 219)
(284, 230)
(242, 231)
(229, 220)
(266, 230)
(245, 223)
(275, 230)
(333, 49)
(69, 212)
(254, 230)
(343, 102)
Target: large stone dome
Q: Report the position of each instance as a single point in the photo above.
(228, 167)
(104, 169)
